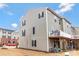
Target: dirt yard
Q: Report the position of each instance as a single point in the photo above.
(23, 52)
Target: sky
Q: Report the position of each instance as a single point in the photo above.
(10, 13)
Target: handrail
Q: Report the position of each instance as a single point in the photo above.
(61, 33)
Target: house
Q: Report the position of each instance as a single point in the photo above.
(43, 29)
(8, 37)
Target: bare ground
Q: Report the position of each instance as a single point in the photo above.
(23, 52)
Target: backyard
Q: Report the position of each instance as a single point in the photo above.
(24, 52)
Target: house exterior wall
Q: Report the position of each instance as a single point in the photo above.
(77, 30)
(40, 35)
(43, 27)
(15, 35)
(0, 35)
(7, 33)
(5, 40)
(73, 30)
(66, 26)
(53, 25)
(22, 40)
(53, 22)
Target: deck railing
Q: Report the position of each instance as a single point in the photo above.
(75, 36)
(65, 34)
(61, 33)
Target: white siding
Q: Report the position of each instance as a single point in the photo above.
(66, 27)
(40, 35)
(52, 25)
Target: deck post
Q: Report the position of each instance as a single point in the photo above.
(61, 43)
(65, 43)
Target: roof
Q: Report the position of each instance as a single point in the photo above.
(54, 12)
(73, 27)
(61, 17)
(66, 20)
(7, 29)
(76, 27)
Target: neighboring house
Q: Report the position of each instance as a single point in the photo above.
(42, 29)
(8, 37)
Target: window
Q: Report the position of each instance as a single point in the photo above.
(60, 22)
(23, 32)
(13, 42)
(67, 25)
(14, 37)
(9, 32)
(33, 30)
(34, 43)
(9, 42)
(3, 36)
(56, 44)
(40, 15)
(9, 37)
(55, 20)
(3, 32)
(23, 22)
